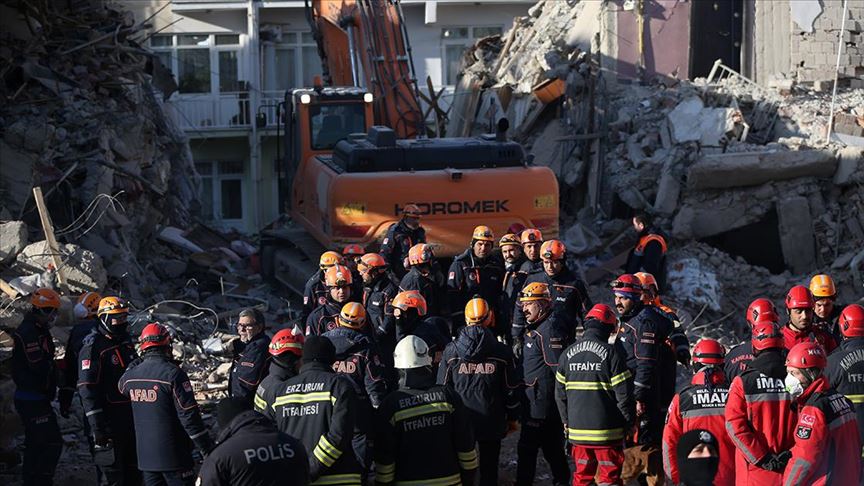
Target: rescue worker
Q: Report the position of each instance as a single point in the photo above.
(483, 373)
(827, 445)
(85, 314)
(532, 240)
(409, 316)
(167, 419)
(799, 328)
(825, 308)
(570, 300)
(35, 377)
(477, 272)
(357, 359)
(338, 280)
(595, 397)
(649, 254)
(351, 256)
(846, 364)
(678, 342)
(251, 360)
(760, 419)
(400, 237)
(698, 457)
(701, 405)
(514, 280)
(315, 291)
(424, 278)
(252, 452)
(105, 355)
(379, 288)
(318, 407)
(741, 355)
(546, 337)
(286, 351)
(424, 432)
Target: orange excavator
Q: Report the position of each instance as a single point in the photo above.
(356, 152)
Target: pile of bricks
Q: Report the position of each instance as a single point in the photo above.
(814, 54)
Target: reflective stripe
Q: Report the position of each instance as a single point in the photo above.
(93, 412)
(468, 460)
(641, 385)
(341, 479)
(322, 457)
(702, 412)
(799, 471)
(326, 452)
(767, 397)
(841, 420)
(412, 412)
(560, 377)
(856, 399)
(589, 385)
(445, 481)
(741, 447)
(260, 403)
(621, 377)
(304, 398)
(667, 459)
(589, 435)
(385, 472)
(199, 434)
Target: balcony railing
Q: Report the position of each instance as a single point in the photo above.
(224, 111)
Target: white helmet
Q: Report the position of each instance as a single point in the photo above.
(411, 352)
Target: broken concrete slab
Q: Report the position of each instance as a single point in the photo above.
(753, 168)
(796, 234)
(13, 239)
(83, 269)
(691, 121)
(850, 166)
(668, 190)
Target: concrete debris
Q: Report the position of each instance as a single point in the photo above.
(850, 166)
(83, 269)
(754, 168)
(13, 239)
(691, 121)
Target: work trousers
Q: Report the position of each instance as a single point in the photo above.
(546, 434)
(602, 463)
(488, 452)
(42, 441)
(169, 478)
(124, 471)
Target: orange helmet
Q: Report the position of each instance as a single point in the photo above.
(822, 287)
(758, 308)
(287, 341)
(799, 297)
(330, 258)
(708, 351)
(153, 335)
(647, 280)
(851, 321)
(410, 299)
(88, 304)
(112, 305)
(602, 313)
(552, 250)
(371, 261)
(808, 354)
(420, 253)
(45, 298)
(535, 291)
(478, 312)
(353, 315)
(337, 276)
(509, 239)
(353, 251)
(483, 233)
(411, 210)
(531, 235)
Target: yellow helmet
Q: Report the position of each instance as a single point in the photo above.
(822, 287)
(353, 315)
(478, 313)
(509, 239)
(535, 291)
(330, 258)
(483, 233)
(112, 305)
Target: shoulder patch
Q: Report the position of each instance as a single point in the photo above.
(807, 419)
(803, 432)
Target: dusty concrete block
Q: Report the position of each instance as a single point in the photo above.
(823, 85)
(83, 269)
(691, 121)
(695, 223)
(850, 166)
(753, 168)
(796, 234)
(668, 191)
(13, 239)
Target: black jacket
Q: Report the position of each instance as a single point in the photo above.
(69, 381)
(650, 257)
(570, 300)
(513, 283)
(542, 347)
(469, 277)
(318, 407)
(649, 358)
(357, 359)
(167, 419)
(314, 293)
(323, 318)
(594, 391)
(432, 330)
(249, 368)
(398, 240)
(845, 372)
(737, 360)
(429, 288)
(251, 452)
(102, 361)
(483, 373)
(33, 369)
(376, 300)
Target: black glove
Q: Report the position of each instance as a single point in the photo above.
(774, 462)
(64, 398)
(204, 444)
(101, 437)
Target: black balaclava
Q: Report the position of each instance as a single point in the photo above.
(697, 471)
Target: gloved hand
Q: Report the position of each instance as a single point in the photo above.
(101, 437)
(774, 462)
(517, 348)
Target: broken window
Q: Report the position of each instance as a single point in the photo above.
(454, 41)
(202, 63)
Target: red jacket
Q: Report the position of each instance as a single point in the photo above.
(760, 419)
(700, 406)
(792, 337)
(827, 446)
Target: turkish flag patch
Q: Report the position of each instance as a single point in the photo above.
(85, 364)
(803, 432)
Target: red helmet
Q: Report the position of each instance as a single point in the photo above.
(627, 283)
(809, 354)
(757, 308)
(852, 321)
(353, 251)
(799, 297)
(709, 352)
(153, 335)
(287, 341)
(602, 313)
(766, 335)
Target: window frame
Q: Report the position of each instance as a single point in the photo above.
(213, 50)
(216, 177)
(296, 43)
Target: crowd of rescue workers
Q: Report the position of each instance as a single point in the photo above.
(397, 374)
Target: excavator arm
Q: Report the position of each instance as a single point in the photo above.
(364, 43)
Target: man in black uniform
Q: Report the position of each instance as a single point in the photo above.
(409, 315)
(401, 237)
(379, 288)
(339, 281)
(532, 240)
(514, 280)
(167, 419)
(846, 364)
(546, 337)
(104, 356)
(315, 291)
(85, 313)
(649, 254)
(424, 431)
(483, 373)
(477, 272)
(286, 349)
(424, 277)
(251, 359)
(35, 377)
(252, 452)
(318, 407)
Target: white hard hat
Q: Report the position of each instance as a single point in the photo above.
(411, 352)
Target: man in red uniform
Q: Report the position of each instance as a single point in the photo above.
(759, 416)
(741, 355)
(799, 329)
(701, 405)
(827, 446)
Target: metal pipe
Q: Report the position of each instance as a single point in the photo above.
(837, 70)
(352, 54)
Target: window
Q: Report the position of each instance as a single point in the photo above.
(333, 121)
(454, 41)
(203, 63)
(295, 64)
(221, 190)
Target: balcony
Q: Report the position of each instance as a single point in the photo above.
(224, 112)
